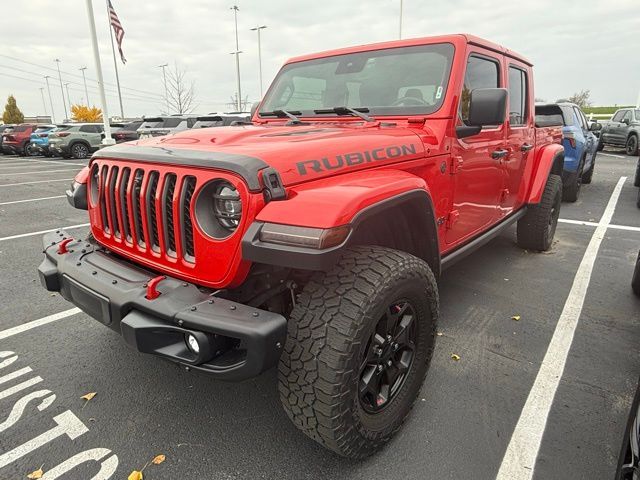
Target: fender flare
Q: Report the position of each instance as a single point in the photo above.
(379, 199)
(550, 161)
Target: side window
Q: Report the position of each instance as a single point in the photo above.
(518, 96)
(481, 73)
(627, 116)
(87, 129)
(618, 116)
(580, 117)
(567, 113)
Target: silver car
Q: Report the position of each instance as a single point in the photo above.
(159, 126)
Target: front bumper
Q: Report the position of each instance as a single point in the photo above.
(237, 341)
(59, 148)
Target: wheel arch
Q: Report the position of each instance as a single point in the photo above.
(405, 222)
(550, 162)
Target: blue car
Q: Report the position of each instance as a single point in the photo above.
(39, 141)
(580, 149)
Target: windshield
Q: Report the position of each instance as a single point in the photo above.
(171, 122)
(395, 81)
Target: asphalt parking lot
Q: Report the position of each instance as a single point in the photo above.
(460, 428)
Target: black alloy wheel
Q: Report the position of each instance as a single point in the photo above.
(388, 357)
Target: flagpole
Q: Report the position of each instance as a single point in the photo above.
(107, 140)
(115, 62)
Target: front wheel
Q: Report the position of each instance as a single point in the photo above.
(571, 191)
(79, 151)
(631, 147)
(538, 226)
(359, 343)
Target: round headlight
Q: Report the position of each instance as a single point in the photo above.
(218, 209)
(227, 205)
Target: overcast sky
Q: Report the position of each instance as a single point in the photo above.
(574, 44)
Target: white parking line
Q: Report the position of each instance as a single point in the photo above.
(613, 155)
(62, 162)
(37, 181)
(22, 235)
(594, 224)
(38, 172)
(38, 323)
(31, 200)
(520, 458)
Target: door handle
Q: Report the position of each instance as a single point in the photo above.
(496, 154)
(526, 147)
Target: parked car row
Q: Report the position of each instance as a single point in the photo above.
(623, 130)
(79, 140)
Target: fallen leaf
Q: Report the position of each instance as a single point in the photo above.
(515, 317)
(439, 334)
(455, 356)
(158, 459)
(89, 396)
(36, 474)
(135, 475)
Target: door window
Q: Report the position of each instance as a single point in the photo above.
(482, 72)
(627, 116)
(518, 96)
(618, 116)
(580, 117)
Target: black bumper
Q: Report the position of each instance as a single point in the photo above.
(77, 195)
(237, 341)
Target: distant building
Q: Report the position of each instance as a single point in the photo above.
(38, 119)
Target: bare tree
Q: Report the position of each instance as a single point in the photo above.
(233, 103)
(581, 98)
(180, 92)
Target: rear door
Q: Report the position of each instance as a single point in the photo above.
(520, 135)
(478, 178)
(587, 139)
(613, 132)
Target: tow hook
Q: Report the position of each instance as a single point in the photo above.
(62, 246)
(152, 291)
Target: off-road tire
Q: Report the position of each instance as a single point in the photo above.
(638, 199)
(328, 333)
(631, 146)
(79, 151)
(538, 226)
(635, 281)
(600, 146)
(588, 175)
(636, 179)
(571, 191)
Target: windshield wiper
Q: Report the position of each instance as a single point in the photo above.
(284, 113)
(358, 112)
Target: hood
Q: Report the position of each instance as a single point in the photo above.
(301, 153)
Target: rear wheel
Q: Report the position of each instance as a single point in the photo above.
(631, 147)
(635, 281)
(571, 192)
(359, 344)
(600, 146)
(538, 226)
(79, 151)
(636, 180)
(588, 175)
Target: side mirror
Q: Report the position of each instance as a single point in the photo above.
(254, 108)
(595, 127)
(625, 121)
(487, 106)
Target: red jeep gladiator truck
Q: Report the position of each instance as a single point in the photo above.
(312, 238)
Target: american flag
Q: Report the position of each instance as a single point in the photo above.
(117, 29)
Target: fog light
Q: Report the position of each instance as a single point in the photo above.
(192, 343)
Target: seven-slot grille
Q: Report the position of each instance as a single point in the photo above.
(141, 206)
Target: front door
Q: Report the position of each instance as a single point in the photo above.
(478, 177)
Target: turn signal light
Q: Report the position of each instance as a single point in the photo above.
(318, 238)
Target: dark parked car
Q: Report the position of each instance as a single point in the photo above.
(127, 132)
(623, 130)
(219, 120)
(6, 128)
(636, 181)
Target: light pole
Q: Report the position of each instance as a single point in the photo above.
(400, 27)
(53, 115)
(44, 104)
(107, 140)
(257, 29)
(66, 115)
(68, 96)
(84, 79)
(237, 53)
(166, 93)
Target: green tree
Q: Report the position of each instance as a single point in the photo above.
(12, 113)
